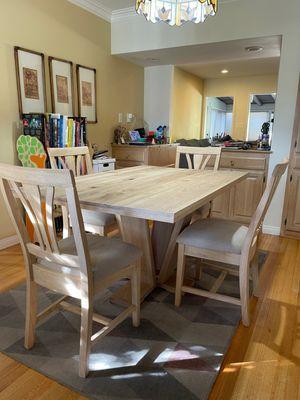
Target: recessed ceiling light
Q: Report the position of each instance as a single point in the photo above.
(254, 49)
(224, 71)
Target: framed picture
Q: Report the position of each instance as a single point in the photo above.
(61, 82)
(87, 93)
(30, 70)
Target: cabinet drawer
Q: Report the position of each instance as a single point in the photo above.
(132, 154)
(127, 164)
(243, 162)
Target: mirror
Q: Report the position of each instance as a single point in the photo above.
(262, 107)
(218, 118)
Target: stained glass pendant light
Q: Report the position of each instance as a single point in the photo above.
(176, 12)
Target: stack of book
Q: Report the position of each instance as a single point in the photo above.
(56, 130)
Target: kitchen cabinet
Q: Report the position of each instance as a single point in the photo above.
(291, 211)
(240, 203)
(132, 156)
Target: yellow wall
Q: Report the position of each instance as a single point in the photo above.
(186, 105)
(241, 89)
(60, 29)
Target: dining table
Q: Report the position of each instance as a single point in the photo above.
(152, 206)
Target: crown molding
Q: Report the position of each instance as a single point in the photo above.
(94, 7)
(123, 13)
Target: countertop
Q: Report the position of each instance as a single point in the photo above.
(174, 144)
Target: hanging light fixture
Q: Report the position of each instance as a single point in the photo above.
(176, 12)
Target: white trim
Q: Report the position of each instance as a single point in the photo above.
(123, 13)
(271, 230)
(8, 242)
(94, 7)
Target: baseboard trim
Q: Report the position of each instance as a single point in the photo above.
(8, 242)
(271, 230)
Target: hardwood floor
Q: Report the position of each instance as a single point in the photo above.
(263, 362)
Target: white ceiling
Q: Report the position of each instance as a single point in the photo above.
(207, 60)
(258, 66)
(209, 52)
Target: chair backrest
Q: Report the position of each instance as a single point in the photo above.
(262, 208)
(77, 159)
(35, 189)
(201, 157)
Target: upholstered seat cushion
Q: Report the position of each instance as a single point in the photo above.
(215, 234)
(108, 255)
(97, 218)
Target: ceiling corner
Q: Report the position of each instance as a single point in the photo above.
(94, 7)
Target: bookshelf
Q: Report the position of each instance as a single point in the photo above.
(56, 130)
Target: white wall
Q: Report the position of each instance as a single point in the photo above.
(158, 95)
(238, 19)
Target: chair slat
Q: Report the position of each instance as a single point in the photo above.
(203, 166)
(28, 208)
(50, 219)
(198, 158)
(79, 165)
(78, 159)
(189, 161)
(33, 195)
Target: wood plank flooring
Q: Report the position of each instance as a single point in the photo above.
(263, 362)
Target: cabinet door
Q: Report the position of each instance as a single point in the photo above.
(293, 214)
(220, 206)
(246, 196)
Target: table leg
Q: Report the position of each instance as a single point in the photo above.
(136, 231)
(164, 236)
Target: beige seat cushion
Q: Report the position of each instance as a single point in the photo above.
(97, 218)
(108, 255)
(215, 234)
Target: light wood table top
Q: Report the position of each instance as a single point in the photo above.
(155, 193)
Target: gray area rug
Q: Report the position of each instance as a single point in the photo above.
(176, 353)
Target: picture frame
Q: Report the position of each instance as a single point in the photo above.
(62, 86)
(30, 75)
(87, 93)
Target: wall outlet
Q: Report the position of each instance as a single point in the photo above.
(120, 118)
(129, 117)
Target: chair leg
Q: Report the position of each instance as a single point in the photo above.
(198, 270)
(180, 274)
(136, 295)
(31, 313)
(244, 292)
(85, 336)
(255, 276)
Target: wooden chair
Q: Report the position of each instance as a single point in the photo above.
(201, 158)
(78, 267)
(227, 242)
(78, 160)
